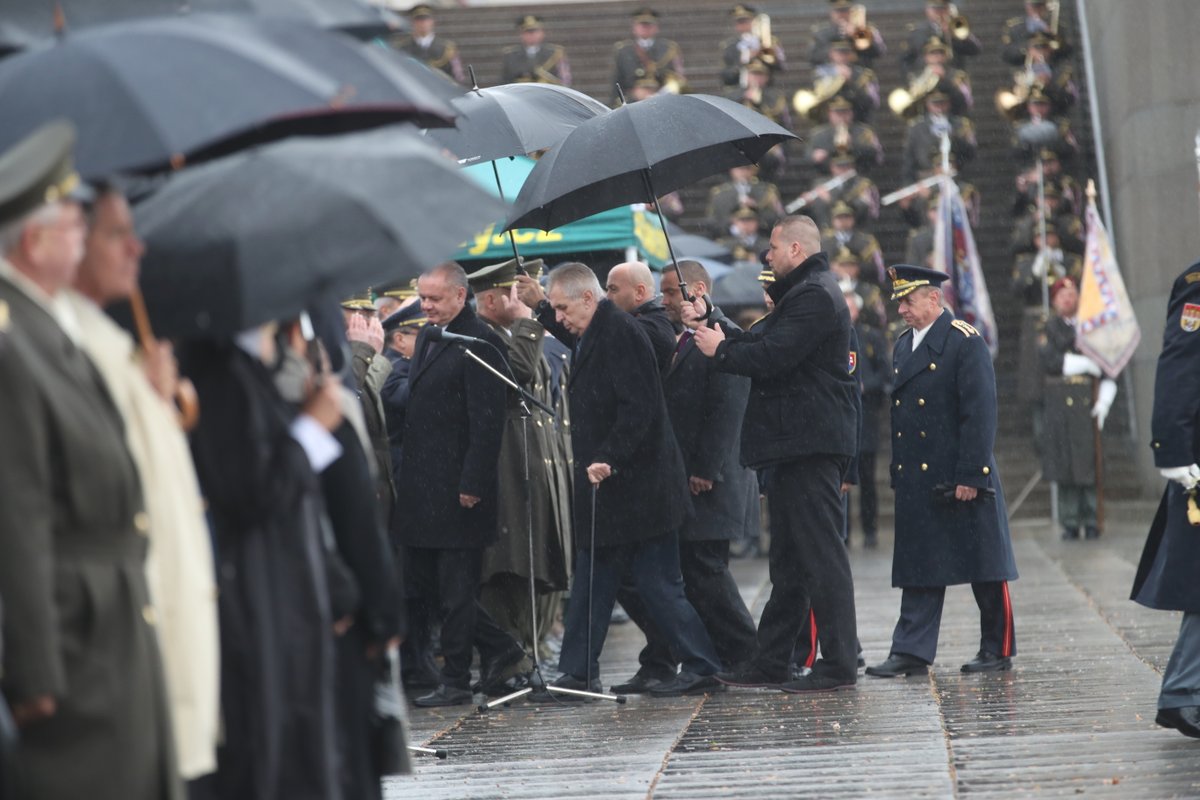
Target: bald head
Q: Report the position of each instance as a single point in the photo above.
(630, 285)
(793, 240)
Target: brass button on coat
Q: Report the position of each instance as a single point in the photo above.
(922, 434)
(933, 367)
(897, 402)
(987, 470)
(921, 401)
(924, 468)
(1070, 402)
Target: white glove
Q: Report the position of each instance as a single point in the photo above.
(1075, 364)
(1104, 401)
(1187, 477)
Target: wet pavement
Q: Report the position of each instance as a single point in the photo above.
(1074, 717)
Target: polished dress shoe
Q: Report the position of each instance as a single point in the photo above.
(445, 695)
(493, 677)
(898, 664)
(640, 683)
(1186, 720)
(749, 676)
(814, 682)
(987, 662)
(687, 683)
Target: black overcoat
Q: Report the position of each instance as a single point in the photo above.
(618, 417)
(706, 407)
(654, 320)
(943, 432)
(875, 377)
(1068, 446)
(803, 400)
(1167, 575)
(453, 425)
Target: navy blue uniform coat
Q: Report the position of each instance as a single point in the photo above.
(803, 400)
(1170, 564)
(453, 424)
(619, 418)
(943, 431)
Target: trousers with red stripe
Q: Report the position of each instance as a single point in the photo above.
(917, 630)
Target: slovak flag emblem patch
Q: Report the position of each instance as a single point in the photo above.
(1189, 320)
(854, 355)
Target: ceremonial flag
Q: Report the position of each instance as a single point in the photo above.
(955, 254)
(1106, 329)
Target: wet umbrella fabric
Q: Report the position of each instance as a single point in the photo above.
(262, 234)
(28, 21)
(514, 120)
(665, 141)
(148, 93)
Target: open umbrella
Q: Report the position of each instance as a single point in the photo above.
(639, 152)
(156, 92)
(260, 234)
(514, 119)
(27, 21)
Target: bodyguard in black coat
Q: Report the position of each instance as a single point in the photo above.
(454, 421)
(1166, 576)
(802, 422)
(951, 520)
(629, 469)
(706, 408)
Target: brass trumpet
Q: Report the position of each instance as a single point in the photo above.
(1009, 101)
(905, 103)
(860, 32)
(960, 28)
(807, 102)
(673, 84)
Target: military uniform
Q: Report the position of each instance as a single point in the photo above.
(924, 139)
(1019, 30)
(860, 194)
(728, 197)
(875, 377)
(863, 245)
(1166, 575)
(943, 408)
(827, 33)
(433, 51)
(371, 371)
(739, 50)
(916, 210)
(544, 63)
(860, 89)
(918, 36)
(658, 59)
(1062, 142)
(771, 103)
(858, 140)
(1072, 237)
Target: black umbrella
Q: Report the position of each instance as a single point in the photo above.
(28, 21)
(514, 119)
(260, 234)
(639, 152)
(156, 92)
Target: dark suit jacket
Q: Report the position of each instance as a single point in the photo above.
(802, 396)
(454, 421)
(618, 417)
(706, 407)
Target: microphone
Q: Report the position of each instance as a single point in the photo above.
(436, 334)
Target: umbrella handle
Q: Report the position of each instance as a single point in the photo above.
(187, 403)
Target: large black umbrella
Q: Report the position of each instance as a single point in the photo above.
(28, 21)
(153, 93)
(639, 152)
(260, 234)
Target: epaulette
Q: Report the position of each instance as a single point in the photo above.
(621, 45)
(1191, 277)
(965, 328)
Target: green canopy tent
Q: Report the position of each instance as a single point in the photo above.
(619, 229)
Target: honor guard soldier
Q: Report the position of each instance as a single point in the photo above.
(941, 23)
(743, 190)
(647, 55)
(1037, 21)
(951, 521)
(865, 247)
(1166, 575)
(424, 45)
(847, 21)
(1068, 440)
(843, 135)
(859, 192)
(925, 135)
(534, 61)
(746, 46)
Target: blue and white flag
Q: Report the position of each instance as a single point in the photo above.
(955, 254)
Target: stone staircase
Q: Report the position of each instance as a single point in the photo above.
(588, 31)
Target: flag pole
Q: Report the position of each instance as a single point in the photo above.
(1044, 260)
(1097, 439)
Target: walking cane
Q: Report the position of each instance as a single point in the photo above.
(591, 576)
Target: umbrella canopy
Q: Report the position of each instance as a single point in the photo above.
(665, 142)
(154, 92)
(261, 234)
(28, 21)
(740, 287)
(514, 119)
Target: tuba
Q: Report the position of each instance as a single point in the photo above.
(808, 103)
(905, 103)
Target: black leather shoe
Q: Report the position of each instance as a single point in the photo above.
(492, 678)
(870, 541)
(748, 676)
(898, 664)
(1091, 532)
(988, 662)
(688, 683)
(817, 683)
(640, 683)
(567, 682)
(1070, 534)
(445, 696)
(1186, 720)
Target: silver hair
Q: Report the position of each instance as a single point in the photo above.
(452, 273)
(574, 279)
(11, 232)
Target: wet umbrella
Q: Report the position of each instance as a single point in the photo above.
(156, 92)
(639, 152)
(28, 21)
(738, 287)
(261, 234)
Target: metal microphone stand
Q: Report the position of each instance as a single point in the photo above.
(536, 681)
